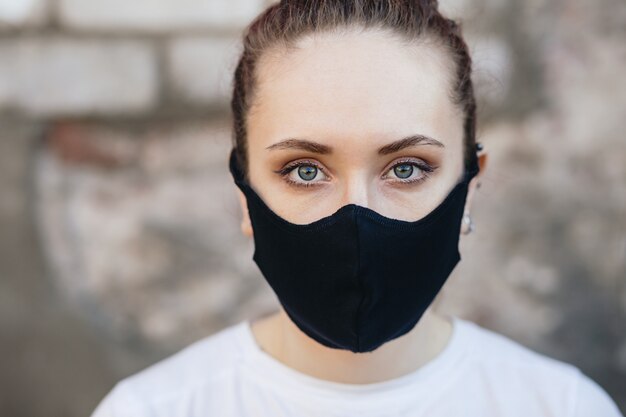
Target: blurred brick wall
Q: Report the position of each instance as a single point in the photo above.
(120, 227)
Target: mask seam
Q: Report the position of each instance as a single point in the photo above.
(359, 280)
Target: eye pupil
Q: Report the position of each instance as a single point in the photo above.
(403, 170)
(307, 172)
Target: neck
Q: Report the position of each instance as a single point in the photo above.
(277, 335)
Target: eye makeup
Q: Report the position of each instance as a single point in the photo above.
(423, 167)
(286, 170)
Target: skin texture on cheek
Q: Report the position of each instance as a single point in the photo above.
(354, 92)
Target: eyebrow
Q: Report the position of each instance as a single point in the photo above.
(315, 147)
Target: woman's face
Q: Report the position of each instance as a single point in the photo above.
(353, 118)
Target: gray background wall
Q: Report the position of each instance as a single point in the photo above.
(120, 240)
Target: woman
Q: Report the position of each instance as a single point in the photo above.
(355, 163)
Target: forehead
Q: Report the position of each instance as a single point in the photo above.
(351, 85)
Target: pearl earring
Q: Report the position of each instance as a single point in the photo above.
(467, 220)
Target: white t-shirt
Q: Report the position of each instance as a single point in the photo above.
(479, 373)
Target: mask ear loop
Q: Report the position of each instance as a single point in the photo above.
(473, 168)
(235, 167)
(467, 219)
(479, 148)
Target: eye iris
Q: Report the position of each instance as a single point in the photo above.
(403, 170)
(307, 172)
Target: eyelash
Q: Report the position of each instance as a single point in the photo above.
(284, 172)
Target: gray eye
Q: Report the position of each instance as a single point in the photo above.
(403, 170)
(307, 172)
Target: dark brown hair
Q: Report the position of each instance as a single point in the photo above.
(283, 23)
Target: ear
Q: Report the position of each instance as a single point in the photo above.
(475, 182)
(246, 225)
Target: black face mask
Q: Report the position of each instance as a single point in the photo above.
(356, 279)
